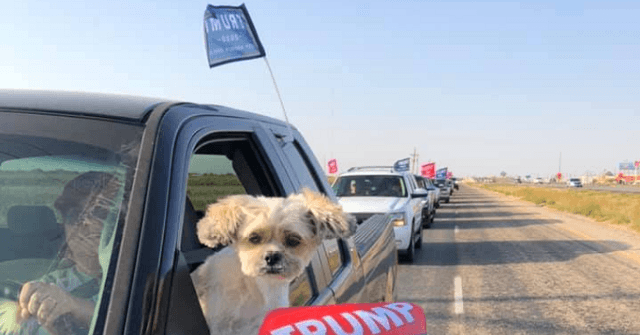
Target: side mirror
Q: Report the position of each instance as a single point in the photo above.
(420, 193)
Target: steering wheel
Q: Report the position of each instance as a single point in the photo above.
(10, 290)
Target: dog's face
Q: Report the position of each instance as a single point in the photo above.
(274, 237)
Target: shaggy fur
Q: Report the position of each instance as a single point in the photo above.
(271, 240)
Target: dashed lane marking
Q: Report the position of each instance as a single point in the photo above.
(457, 295)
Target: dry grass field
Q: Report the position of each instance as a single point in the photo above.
(622, 209)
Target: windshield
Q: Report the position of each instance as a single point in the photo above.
(64, 185)
(370, 186)
(440, 182)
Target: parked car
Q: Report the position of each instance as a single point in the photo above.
(574, 182)
(450, 184)
(445, 189)
(435, 189)
(455, 183)
(155, 165)
(428, 209)
(538, 181)
(365, 191)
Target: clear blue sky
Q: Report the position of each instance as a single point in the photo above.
(480, 87)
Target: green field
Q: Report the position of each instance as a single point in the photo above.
(207, 188)
(41, 188)
(31, 188)
(622, 209)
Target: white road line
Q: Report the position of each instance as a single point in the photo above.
(455, 230)
(458, 305)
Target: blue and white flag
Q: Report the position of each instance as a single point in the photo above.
(230, 35)
(402, 165)
(441, 173)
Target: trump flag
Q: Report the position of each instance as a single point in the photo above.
(428, 170)
(230, 35)
(333, 165)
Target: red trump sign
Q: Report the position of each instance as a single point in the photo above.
(366, 319)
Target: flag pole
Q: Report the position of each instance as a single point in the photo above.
(279, 97)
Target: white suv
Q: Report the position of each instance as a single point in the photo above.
(366, 191)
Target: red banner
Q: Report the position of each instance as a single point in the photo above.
(622, 177)
(399, 318)
(637, 164)
(428, 170)
(333, 166)
(559, 175)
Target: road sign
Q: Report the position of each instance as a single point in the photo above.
(626, 166)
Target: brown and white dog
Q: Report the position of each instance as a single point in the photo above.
(271, 241)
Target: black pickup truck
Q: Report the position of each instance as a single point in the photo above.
(151, 166)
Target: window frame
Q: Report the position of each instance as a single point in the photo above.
(191, 132)
(180, 129)
(298, 144)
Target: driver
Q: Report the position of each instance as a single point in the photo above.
(63, 301)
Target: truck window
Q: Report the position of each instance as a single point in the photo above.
(222, 167)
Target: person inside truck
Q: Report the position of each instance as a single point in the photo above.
(63, 300)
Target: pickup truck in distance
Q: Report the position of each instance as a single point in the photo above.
(156, 165)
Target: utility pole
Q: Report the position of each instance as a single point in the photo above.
(560, 166)
(414, 159)
(560, 163)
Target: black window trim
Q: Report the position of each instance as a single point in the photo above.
(345, 258)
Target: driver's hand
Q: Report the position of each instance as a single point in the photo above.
(47, 303)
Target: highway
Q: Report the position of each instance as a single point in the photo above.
(494, 265)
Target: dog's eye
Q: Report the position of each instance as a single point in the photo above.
(255, 238)
(292, 241)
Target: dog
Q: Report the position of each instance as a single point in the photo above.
(271, 241)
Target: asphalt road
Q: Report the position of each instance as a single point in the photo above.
(491, 264)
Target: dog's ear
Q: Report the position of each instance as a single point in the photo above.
(222, 220)
(327, 217)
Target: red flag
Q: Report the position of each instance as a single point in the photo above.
(559, 175)
(373, 318)
(449, 174)
(333, 166)
(428, 170)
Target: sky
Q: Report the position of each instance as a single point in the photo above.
(478, 87)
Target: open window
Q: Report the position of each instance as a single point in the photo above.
(222, 165)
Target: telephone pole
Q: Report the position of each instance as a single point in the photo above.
(560, 163)
(414, 160)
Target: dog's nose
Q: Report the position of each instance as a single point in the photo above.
(273, 258)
